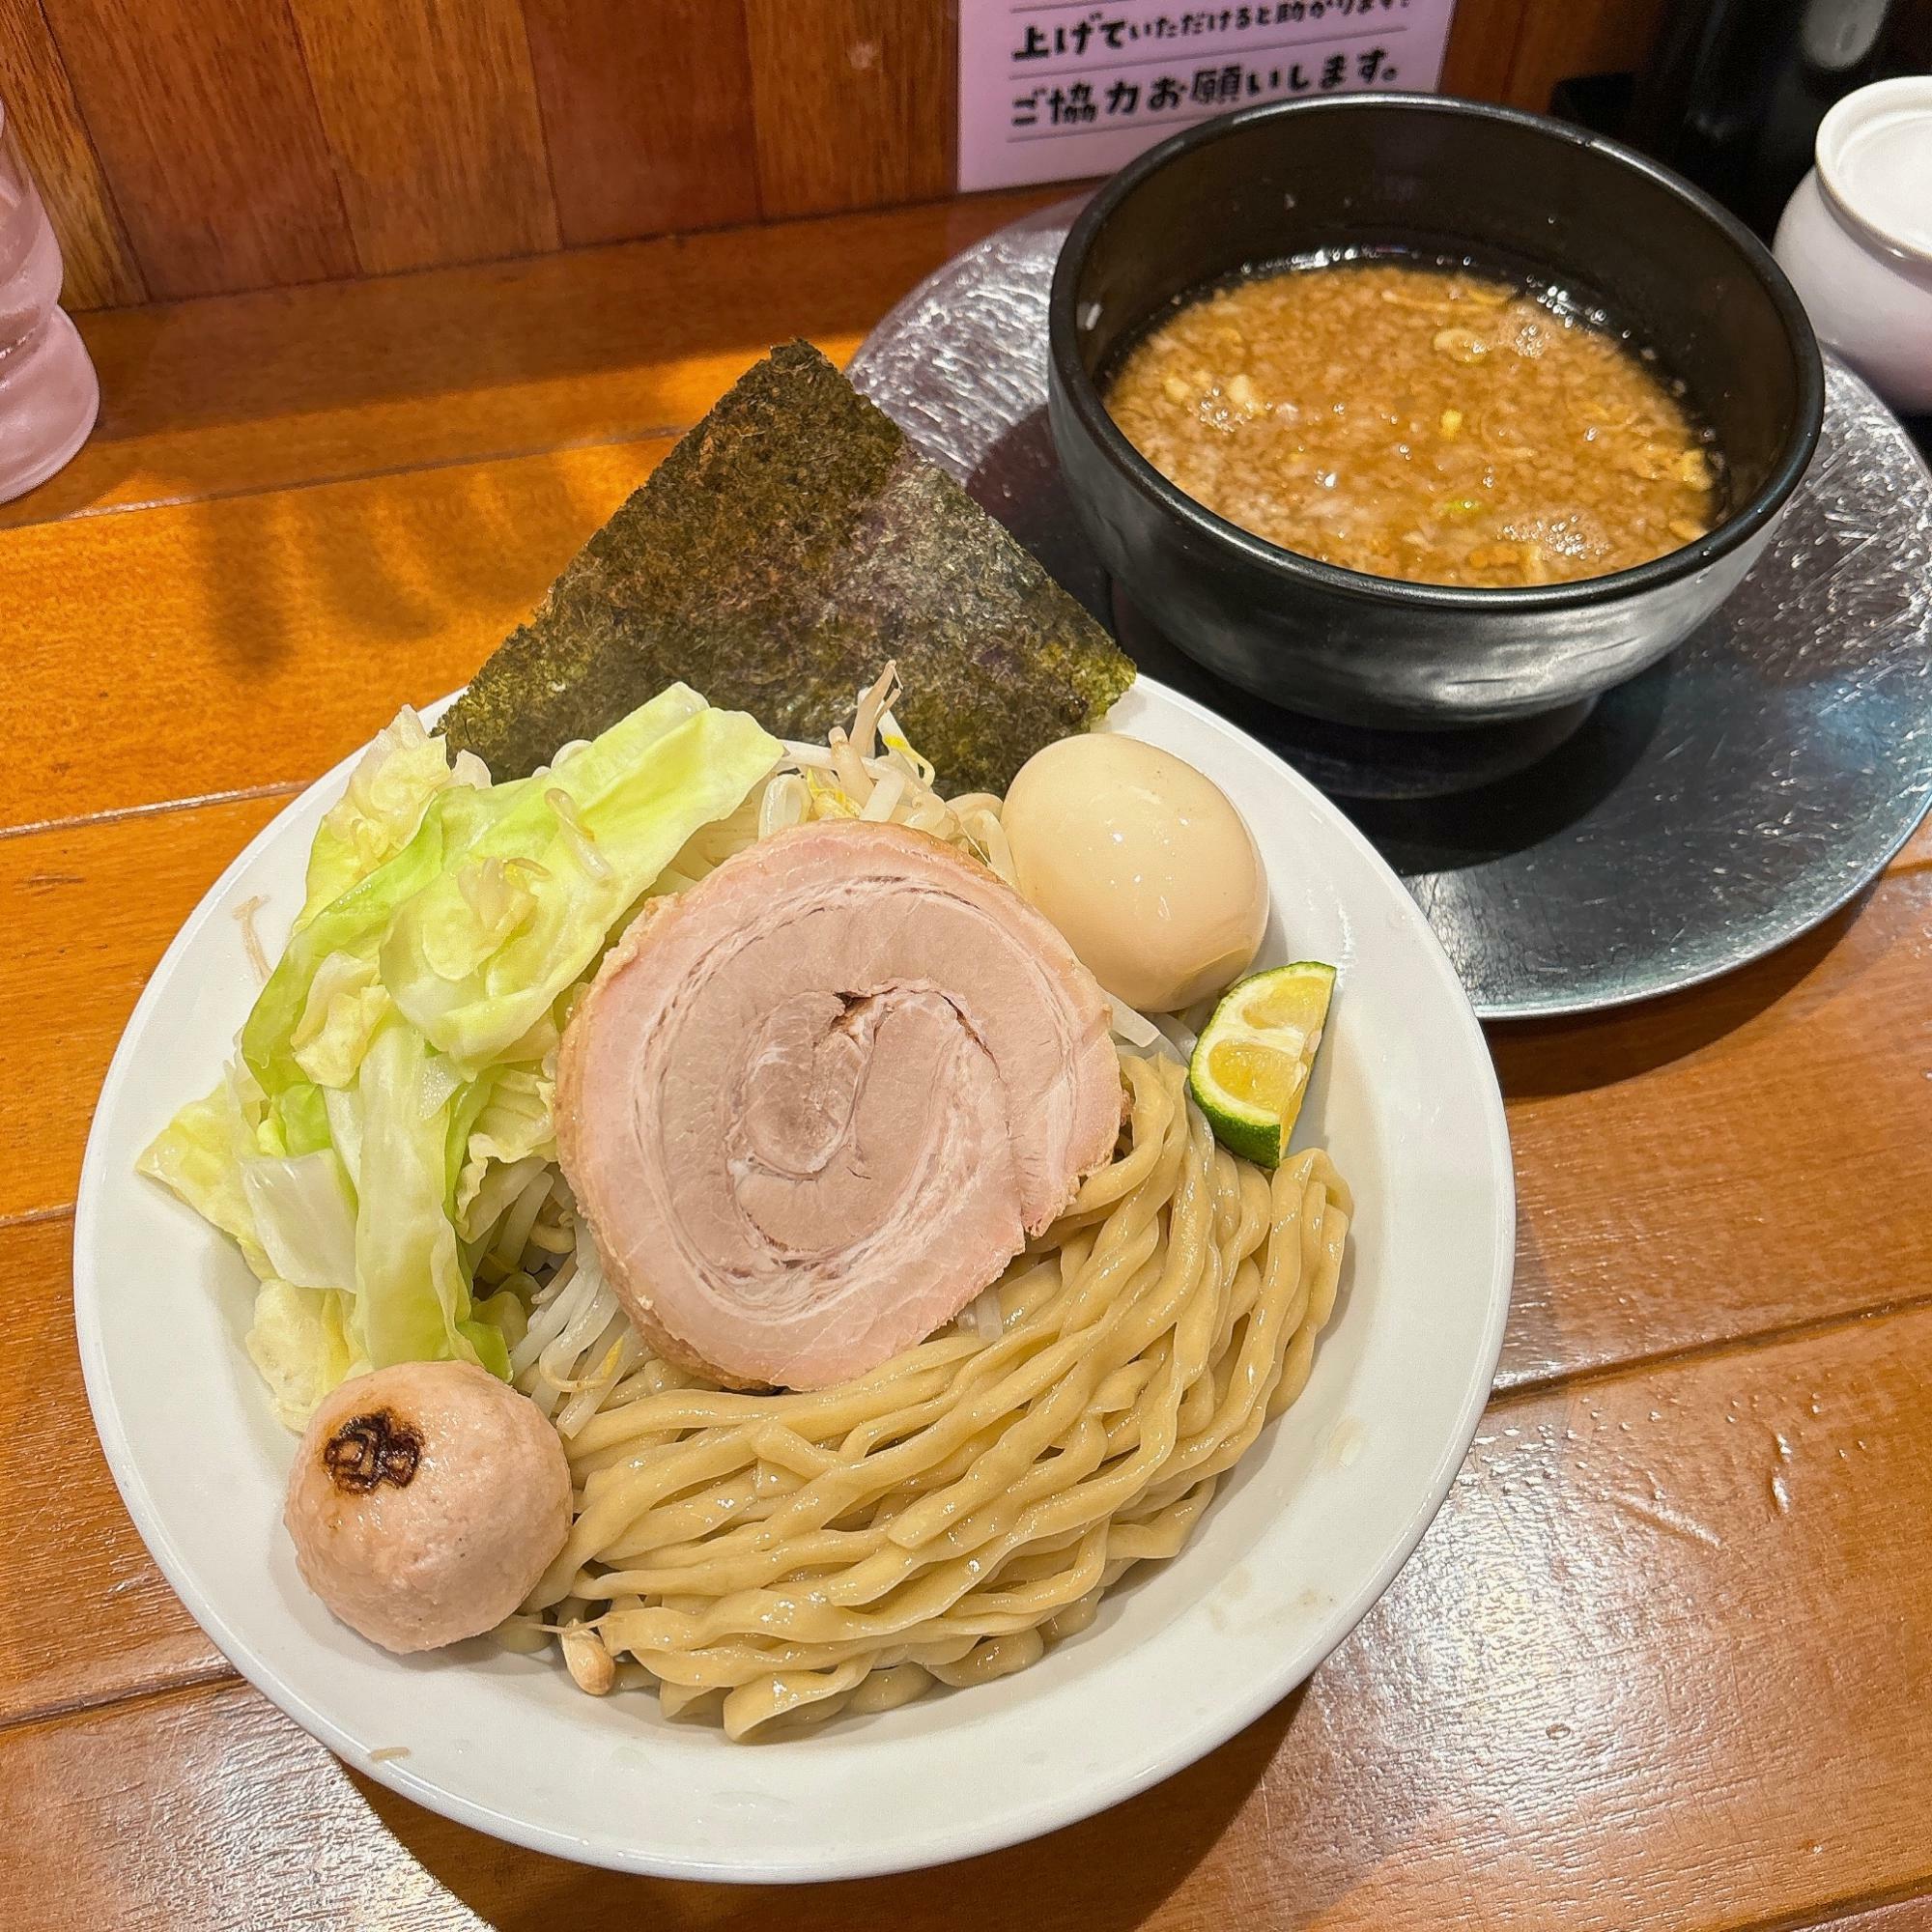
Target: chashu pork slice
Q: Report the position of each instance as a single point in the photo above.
(813, 1105)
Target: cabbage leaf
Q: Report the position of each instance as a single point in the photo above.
(402, 1055)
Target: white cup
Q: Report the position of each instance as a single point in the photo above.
(1856, 238)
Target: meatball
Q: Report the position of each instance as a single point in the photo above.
(425, 1501)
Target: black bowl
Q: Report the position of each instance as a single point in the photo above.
(1444, 178)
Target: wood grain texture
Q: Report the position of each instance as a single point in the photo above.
(1556, 42)
(266, 145)
(1904, 1915)
(647, 112)
(1482, 45)
(858, 111)
(203, 117)
(36, 100)
(84, 1612)
(304, 386)
(91, 910)
(430, 116)
(1747, 1155)
(254, 639)
(1662, 1661)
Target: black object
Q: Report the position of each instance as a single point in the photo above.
(1700, 815)
(1514, 190)
(1359, 761)
(1598, 100)
(1735, 90)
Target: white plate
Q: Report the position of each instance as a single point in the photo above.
(1302, 1539)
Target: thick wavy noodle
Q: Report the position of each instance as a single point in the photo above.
(770, 1560)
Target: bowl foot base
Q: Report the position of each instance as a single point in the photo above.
(1354, 760)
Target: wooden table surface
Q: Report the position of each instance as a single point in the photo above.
(1663, 1660)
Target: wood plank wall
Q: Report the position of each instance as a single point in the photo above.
(193, 147)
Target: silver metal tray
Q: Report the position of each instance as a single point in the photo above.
(1696, 819)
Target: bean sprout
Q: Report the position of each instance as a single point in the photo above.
(873, 773)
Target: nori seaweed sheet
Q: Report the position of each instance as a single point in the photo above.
(788, 546)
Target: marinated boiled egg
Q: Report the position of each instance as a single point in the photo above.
(1141, 863)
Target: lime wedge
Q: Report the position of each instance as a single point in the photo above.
(1250, 1065)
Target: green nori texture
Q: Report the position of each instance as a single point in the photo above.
(788, 546)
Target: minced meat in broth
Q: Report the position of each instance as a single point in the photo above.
(1419, 423)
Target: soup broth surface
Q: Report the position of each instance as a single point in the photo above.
(1420, 422)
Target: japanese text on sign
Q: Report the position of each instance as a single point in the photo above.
(1051, 91)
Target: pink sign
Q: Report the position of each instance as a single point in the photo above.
(1055, 90)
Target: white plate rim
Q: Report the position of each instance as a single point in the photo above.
(1180, 1749)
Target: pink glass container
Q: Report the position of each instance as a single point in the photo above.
(49, 393)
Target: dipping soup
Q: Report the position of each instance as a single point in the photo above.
(1419, 422)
